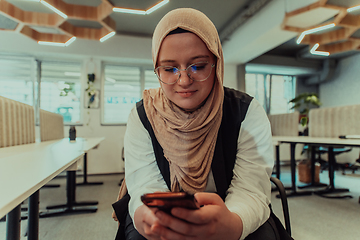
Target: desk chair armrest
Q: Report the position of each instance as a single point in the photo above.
(284, 202)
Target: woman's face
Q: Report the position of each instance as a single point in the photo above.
(180, 51)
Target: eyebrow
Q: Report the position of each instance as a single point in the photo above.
(193, 58)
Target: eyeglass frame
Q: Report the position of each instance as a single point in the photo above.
(185, 69)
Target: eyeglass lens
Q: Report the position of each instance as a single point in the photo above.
(198, 72)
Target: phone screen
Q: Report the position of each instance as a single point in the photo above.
(165, 201)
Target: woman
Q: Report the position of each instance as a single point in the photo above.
(214, 141)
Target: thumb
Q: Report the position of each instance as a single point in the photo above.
(208, 198)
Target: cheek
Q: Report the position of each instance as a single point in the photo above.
(167, 89)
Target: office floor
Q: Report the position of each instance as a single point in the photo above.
(312, 217)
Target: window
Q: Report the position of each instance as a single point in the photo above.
(273, 91)
(122, 89)
(282, 91)
(60, 90)
(17, 79)
(151, 80)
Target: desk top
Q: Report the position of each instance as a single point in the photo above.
(26, 168)
(86, 144)
(323, 141)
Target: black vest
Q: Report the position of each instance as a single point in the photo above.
(234, 111)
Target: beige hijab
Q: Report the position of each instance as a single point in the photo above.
(188, 139)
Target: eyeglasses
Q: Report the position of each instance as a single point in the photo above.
(199, 72)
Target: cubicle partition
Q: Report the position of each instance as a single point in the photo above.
(286, 124)
(17, 127)
(51, 126)
(16, 123)
(334, 121)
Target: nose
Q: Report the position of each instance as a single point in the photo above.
(184, 79)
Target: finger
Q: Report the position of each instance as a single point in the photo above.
(210, 202)
(199, 216)
(174, 224)
(165, 233)
(147, 229)
(152, 234)
(174, 228)
(149, 215)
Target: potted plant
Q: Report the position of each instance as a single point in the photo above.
(303, 102)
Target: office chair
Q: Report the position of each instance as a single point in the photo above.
(284, 202)
(123, 158)
(338, 166)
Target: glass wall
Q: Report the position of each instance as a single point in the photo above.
(122, 89)
(60, 90)
(273, 91)
(17, 79)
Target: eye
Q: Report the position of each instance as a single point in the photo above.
(198, 67)
(171, 69)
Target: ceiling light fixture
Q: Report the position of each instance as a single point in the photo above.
(157, 6)
(127, 10)
(320, 53)
(70, 41)
(58, 44)
(55, 44)
(314, 30)
(141, 12)
(353, 8)
(54, 9)
(107, 36)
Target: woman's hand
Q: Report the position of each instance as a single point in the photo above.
(212, 221)
(145, 220)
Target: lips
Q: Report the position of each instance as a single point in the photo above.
(186, 94)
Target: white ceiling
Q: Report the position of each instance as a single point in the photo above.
(246, 33)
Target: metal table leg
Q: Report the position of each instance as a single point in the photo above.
(85, 182)
(13, 224)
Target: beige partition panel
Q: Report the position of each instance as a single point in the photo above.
(51, 126)
(334, 121)
(286, 124)
(17, 124)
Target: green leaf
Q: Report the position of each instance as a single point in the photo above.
(304, 121)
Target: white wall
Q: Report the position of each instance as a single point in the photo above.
(344, 87)
(230, 77)
(260, 33)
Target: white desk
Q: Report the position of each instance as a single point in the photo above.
(316, 141)
(72, 206)
(24, 169)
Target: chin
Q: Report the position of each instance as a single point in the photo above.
(187, 107)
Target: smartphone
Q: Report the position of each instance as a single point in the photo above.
(165, 201)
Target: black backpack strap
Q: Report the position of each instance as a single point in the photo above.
(162, 163)
(121, 210)
(235, 108)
